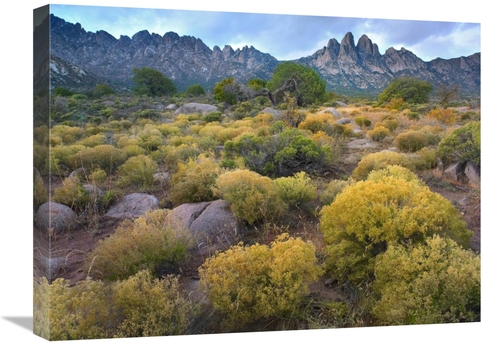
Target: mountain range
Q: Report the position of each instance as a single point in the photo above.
(80, 59)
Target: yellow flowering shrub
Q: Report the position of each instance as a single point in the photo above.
(137, 172)
(379, 160)
(435, 282)
(297, 189)
(252, 196)
(246, 283)
(368, 216)
(152, 241)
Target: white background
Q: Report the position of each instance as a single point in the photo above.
(16, 170)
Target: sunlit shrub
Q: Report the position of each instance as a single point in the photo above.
(106, 157)
(72, 194)
(133, 150)
(318, 122)
(150, 138)
(411, 141)
(396, 171)
(427, 158)
(447, 116)
(253, 197)
(388, 121)
(378, 133)
(137, 172)
(64, 159)
(250, 283)
(435, 282)
(462, 145)
(93, 140)
(368, 216)
(378, 160)
(149, 306)
(362, 121)
(194, 180)
(153, 241)
(297, 189)
(333, 188)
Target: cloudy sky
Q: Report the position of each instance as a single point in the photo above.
(284, 36)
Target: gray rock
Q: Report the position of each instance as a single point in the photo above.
(341, 104)
(195, 108)
(276, 113)
(453, 173)
(471, 171)
(332, 111)
(161, 178)
(55, 216)
(79, 173)
(171, 107)
(361, 144)
(344, 121)
(133, 206)
(93, 190)
(212, 224)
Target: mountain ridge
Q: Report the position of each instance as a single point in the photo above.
(346, 67)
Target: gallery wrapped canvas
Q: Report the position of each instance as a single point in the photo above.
(200, 172)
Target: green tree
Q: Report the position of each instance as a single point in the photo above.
(151, 82)
(462, 145)
(410, 89)
(256, 84)
(228, 90)
(309, 87)
(195, 90)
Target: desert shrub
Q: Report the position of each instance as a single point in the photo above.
(426, 158)
(93, 140)
(388, 121)
(137, 172)
(40, 192)
(63, 159)
(368, 216)
(318, 122)
(169, 129)
(98, 176)
(149, 306)
(412, 115)
(68, 134)
(362, 121)
(252, 196)
(250, 283)
(378, 133)
(133, 150)
(80, 311)
(214, 116)
(194, 180)
(150, 138)
(411, 141)
(105, 157)
(396, 171)
(462, 145)
(154, 241)
(297, 189)
(435, 282)
(378, 160)
(333, 188)
(447, 116)
(72, 194)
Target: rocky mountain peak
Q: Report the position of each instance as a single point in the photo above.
(365, 46)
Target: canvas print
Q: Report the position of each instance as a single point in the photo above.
(201, 172)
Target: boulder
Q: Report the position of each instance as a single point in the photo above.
(93, 190)
(331, 110)
(171, 107)
(212, 224)
(344, 121)
(453, 174)
(161, 178)
(79, 173)
(471, 171)
(361, 144)
(196, 108)
(276, 113)
(55, 216)
(133, 206)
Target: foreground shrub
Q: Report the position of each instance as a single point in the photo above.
(149, 306)
(250, 283)
(137, 172)
(71, 193)
(297, 189)
(462, 145)
(252, 196)
(435, 282)
(368, 216)
(194, 180)
(333, 188)
(379, 160)
(411, 141)
(153, 241)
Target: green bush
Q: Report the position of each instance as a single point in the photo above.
(333, 188)
(411, 141)
(379, 160)
(297, 189)
(246, 284)
(362, 121)
(137, 172)
(378, 133)
(368, 216)
(435, 282)
(71, 193)
(426, 158)
(252, 196)
(154, 241)
(105, 157)
(151, 307)
(462, 145)
(194, 180)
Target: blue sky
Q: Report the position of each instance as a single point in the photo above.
(285, 36)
